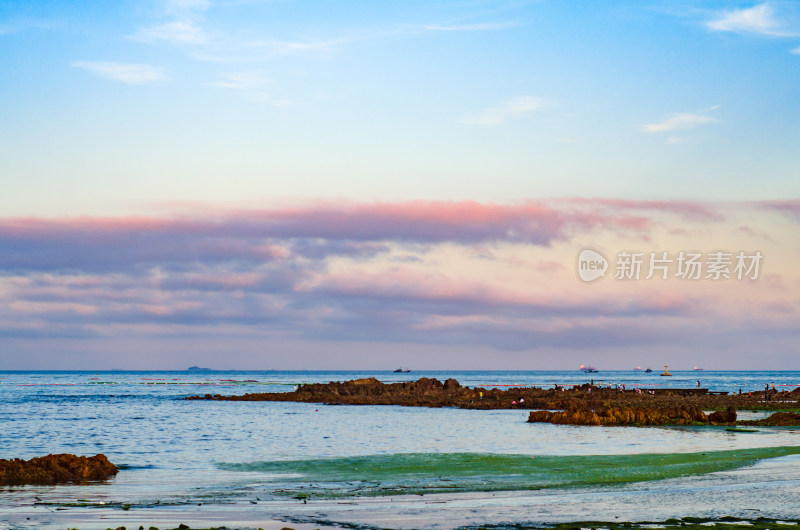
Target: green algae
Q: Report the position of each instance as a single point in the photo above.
(421, 473)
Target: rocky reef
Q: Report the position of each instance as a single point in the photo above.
(580, 405)
(52, 469)
(683, 415)
(429, 392)
(426, 392)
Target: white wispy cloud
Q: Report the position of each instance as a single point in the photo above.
(219, 47)
(181, 6)
(796, 50)
(176, 32)
(280, 47)
(134, 74)
(254, 84)
(679, 122)
(17, 26)
(510, 109)
(759, 20)
(486, 26)
(253, 79)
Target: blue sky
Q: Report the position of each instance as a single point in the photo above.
(111, 106)
(283, 184)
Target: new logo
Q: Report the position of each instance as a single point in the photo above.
(591, 265)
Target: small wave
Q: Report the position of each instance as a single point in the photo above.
(134, 466)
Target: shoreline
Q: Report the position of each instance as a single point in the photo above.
(745, 493)
(724, 522)
(611, 508)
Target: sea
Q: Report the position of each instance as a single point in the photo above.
(277, 464)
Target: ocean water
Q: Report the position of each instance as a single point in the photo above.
(370, 465)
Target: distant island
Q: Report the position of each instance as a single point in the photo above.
(198, 369)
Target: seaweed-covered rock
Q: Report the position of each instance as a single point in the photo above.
(52, 469)
(682, 415)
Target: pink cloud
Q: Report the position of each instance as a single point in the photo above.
(549, 266)
(222, 279)
(400, 285)
(25, 306)
(754, 232)
(781, 306)
(691, 210)
(426, 221)
(316, 231)
(366, 271)
(790, 207)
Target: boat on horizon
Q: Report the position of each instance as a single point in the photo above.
(401, 371)
(649, 370)
(588, 369)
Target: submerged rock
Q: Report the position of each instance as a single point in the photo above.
(52, 469)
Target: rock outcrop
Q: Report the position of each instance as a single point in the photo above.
(723, 416)
(52, 469)
(621, 416)
(429, 392)
(777, 419)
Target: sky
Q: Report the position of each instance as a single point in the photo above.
(282, 184)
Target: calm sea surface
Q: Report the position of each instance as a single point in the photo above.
(178, 453)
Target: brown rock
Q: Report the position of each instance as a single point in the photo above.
(365, 381)
(723, 416)
(52, 469)
(682, 415)
(429, 392)
(451, 385)
(777, 419)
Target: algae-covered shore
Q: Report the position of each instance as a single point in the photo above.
(425, 473)
(471, 491)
